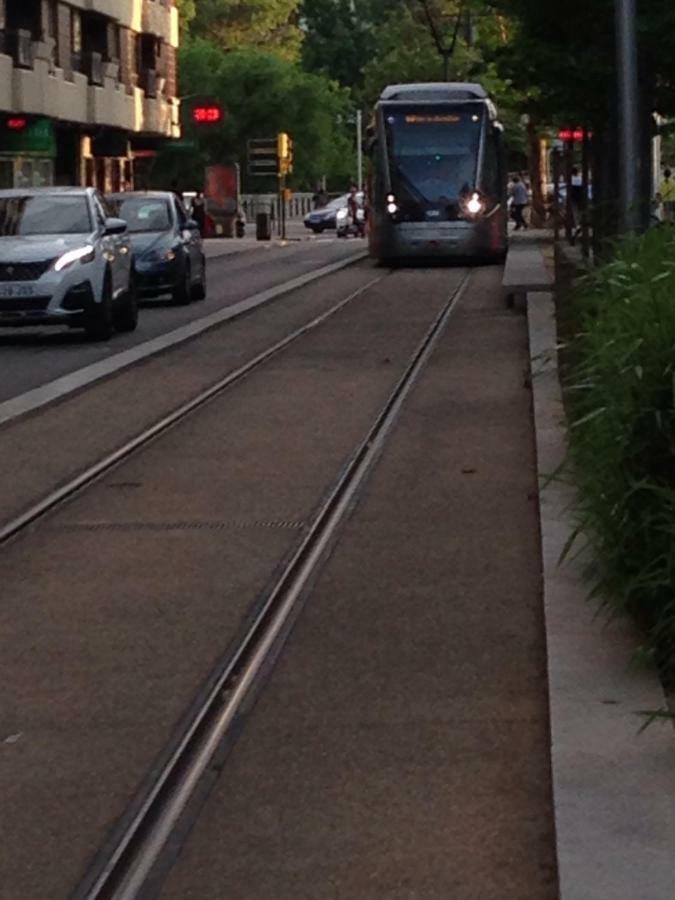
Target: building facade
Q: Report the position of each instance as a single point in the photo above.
(87, 90)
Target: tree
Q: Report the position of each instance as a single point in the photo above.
(262, 95)
(570, 57)
(338, 38)
(235, 24)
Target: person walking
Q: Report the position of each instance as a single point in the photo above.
(519, 200)
(175, 190)
(199, 211)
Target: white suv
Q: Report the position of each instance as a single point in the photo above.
(65, 261)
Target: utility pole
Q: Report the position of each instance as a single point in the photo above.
(445, 52)
(629, 114)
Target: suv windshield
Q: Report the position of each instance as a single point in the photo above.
(44, 214)
(143, 213)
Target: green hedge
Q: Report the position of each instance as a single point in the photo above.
(619, 392)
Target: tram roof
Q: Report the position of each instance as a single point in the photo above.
(435, 90)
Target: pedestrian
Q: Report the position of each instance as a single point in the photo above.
(667, 192)
(519, 200)
(175, 190)
(199, 211)
(577, 199)
(320, 198)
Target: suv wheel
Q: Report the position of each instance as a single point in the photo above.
(182, 290)
(199, 290)
(99, 324)
(126, 315)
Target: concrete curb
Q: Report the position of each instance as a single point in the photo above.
(613, 789)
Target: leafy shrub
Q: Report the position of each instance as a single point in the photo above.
(622, 434)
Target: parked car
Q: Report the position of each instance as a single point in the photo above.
(319, 220)
(168, 252)
(65, 261)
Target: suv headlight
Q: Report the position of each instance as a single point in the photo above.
(84, 254)
(166, 254)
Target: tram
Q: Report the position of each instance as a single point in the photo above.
(438, 175)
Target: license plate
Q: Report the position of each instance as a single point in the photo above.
(17, 290)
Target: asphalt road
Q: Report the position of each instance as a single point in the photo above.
(33, 356)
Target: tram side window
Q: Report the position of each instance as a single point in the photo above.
(491, 179)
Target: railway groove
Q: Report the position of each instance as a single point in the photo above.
(36, 511)
(130, 862)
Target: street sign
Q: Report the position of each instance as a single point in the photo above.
(262, 156)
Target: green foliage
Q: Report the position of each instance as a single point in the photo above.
(337, 39)
(186, 12)
(237, 24)
(263, 94)
(622, 437)
(569, 56)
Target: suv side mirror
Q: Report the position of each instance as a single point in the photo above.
(114, 226)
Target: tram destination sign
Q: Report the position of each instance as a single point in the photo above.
(262, 156)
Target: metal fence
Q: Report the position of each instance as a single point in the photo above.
(297, 207)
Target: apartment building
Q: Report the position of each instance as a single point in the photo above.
(87, 89)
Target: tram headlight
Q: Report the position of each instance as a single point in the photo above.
(475, 205)
(392, 206)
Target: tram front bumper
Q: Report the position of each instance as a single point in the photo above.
(443, 239)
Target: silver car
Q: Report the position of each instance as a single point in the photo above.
(65, 261)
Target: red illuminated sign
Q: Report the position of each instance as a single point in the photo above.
(573, 134)
(203, 115)
(16, 124)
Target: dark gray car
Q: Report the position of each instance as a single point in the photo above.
(167, 245)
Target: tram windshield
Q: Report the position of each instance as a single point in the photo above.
(434, 151)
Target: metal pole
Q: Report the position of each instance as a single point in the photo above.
(359, 149)
(585, 166)
(629, 118)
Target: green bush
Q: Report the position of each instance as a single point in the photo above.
(622, 436)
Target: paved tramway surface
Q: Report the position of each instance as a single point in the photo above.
(48, 448)
(120, 603)
(33, 356)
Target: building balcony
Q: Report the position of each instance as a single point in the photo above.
(158, 17)
(160, 116)
(32, 83)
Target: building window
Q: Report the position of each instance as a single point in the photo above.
(76, 33)
(113, 54)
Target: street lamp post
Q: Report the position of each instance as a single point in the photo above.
(629, 117)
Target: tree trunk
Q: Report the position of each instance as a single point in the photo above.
(535, 160)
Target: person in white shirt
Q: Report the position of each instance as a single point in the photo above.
(520, 198)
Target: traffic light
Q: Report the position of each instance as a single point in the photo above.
(282, 145)
(285, 153)
(289, 157)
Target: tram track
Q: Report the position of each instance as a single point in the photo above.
(131, 856)
(55, 498)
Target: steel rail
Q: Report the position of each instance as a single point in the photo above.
(36, 511)
(125, 873)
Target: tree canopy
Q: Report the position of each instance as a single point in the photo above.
(263, 94)
(306, 65)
